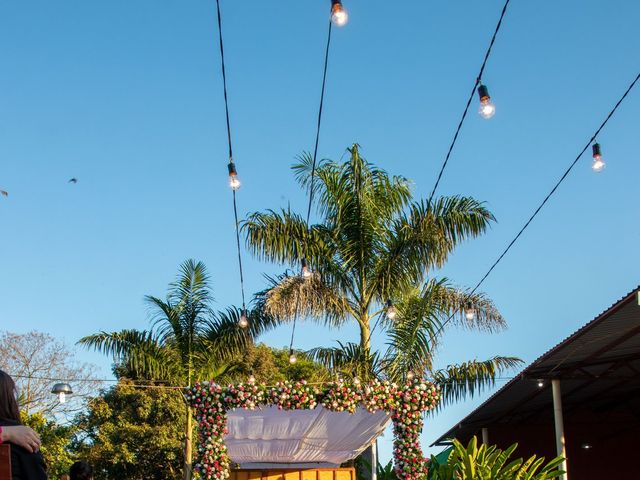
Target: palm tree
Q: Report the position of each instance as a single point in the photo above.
(187, 341)
(372, 256)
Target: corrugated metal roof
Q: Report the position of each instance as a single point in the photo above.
(598, 358)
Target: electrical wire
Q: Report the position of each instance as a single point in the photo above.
(466, 108)
(315, 149)
(92, 380)
(314, 162)
(169, 387)
(231, 161)
(546, 198)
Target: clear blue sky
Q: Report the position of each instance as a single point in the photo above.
(126, 96)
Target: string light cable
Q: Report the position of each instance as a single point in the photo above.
(339, 17)
(535, 213)
(234, 182)
(486, 109)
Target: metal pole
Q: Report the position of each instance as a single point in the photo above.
(374, 461)
(485, 436)
(559, 426)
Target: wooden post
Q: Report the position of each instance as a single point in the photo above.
(485, 436)
(559, 426)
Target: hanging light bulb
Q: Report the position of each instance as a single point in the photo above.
(598, 164)
(410, 375)
(469, 313)
(339, 15)
(487, 109)
(540, 383)
(252, 378)
(292, 357)
(243, 322)
(234, 182)
(356, 381)
(306, 271)
(62, 390)
(391, 310)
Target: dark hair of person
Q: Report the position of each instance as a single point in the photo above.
(8, 404)
(81, 471)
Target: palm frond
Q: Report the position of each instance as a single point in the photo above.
(483, 314)
(291, 295)
(411, 340)
(350, 360)
(283, 237)
(464, 380)
(138, 350)
(423, 238)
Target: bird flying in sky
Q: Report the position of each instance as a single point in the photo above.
(73, 180)
(4, 193)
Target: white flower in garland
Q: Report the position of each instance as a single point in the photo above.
(405, 404)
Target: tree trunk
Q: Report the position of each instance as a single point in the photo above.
(365, 336)
(186, 475)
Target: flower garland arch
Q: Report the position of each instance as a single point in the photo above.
(404, 403)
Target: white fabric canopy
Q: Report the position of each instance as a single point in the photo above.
(273, 436)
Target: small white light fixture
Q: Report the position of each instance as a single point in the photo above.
(306, 271)
(410, 375)
(356, 381)
(469, 313)
(252, 378)
(586, 446)
(243, 322)
(234, 182)
(598, 164)
(391, 312)
(487, 109)
(292, 357)
(62, 390)
(540, 383)
(339, 15)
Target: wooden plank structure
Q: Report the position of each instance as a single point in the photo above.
(295, 474)
(5, 462)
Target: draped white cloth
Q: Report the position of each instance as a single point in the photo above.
(273, 436)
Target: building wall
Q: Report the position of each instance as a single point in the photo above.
(612, 438)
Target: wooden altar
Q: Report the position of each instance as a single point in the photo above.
(295, 474)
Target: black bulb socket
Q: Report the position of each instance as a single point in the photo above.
(483, 93)
(596, 150)
(232, 169)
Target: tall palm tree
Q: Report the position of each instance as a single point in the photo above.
(187, 341)
(372, 255)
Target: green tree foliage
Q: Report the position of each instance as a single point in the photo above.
(133, 433)
(491, 463)
(374, 243)
(270, 365)
(55, 443)
(187, 341)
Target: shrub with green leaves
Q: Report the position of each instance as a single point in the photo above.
(491, 463)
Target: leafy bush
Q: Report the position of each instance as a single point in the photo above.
(490, 463)
(55, 442)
